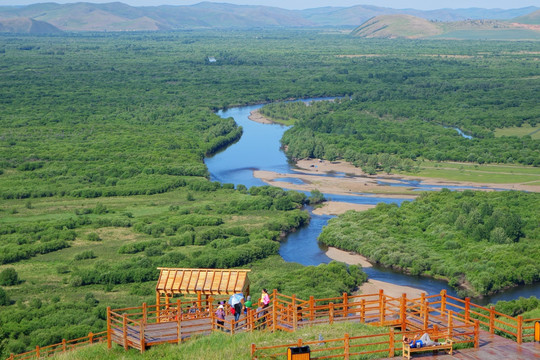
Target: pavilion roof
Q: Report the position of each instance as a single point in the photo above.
(202, 281)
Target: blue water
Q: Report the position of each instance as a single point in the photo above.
(259, 149)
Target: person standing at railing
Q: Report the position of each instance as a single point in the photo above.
(265, 298)
(247, 305)
(220, 314)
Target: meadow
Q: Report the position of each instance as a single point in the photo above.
(104, 135)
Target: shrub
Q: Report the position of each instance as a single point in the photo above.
(4, 298)
(88, 254)
(93, 237)
(9, 277)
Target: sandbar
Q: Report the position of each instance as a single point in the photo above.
(353, 185)
(372, 286)
(256, 116)
(338, 208)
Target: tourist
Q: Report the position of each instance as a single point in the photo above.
(220, 315)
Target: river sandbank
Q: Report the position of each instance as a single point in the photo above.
(372, 286)
(256, 116)
(356, 181)
(354, 186)
(338, 208)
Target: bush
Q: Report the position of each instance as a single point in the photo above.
(88, 254)
(9, 277)
(93, 237)
(4, 298)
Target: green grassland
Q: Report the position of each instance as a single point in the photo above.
(526, 129)
(486, 173)
(103, 139)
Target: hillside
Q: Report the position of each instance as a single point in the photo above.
(530, 19)
(397, 26)
(412, 27)
(27, 26)
(117, 16)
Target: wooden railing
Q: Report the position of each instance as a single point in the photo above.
(127, 326)
(50, 350)
(386, 344)
(516, 328)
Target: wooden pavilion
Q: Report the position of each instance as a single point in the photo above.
(199, 282)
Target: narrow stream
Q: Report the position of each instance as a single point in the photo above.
(259, 149)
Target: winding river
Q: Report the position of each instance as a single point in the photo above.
(259, 149)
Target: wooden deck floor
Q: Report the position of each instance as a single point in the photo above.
(492, 347)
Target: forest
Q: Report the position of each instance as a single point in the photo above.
(102, 177)
(480, 242)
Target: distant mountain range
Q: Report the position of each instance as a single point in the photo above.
(121, 17)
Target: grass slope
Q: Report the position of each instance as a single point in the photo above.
(220, 346)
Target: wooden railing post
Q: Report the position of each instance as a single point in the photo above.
(363, 311)
(11, 356)
(476, 333)
(143, 340)
(124, 330)
(381, 307)
(210, 305)
(295, 313)
(331, 313)
(443, 301)
(426, 315)
(179, 310)
(158, 304)
(346, 345)
(422, 304)
(253, 349)
(450, 324)
(64, 347)
(109, 333)
(311, 308)
(274, 311)
(403, 311)
(90, 337)
(492, 319)
(179, 329)
(519, 329)
(38, 355)
(392, 345)
(144, 313)
(467, 308)
(250, 320)
(345, 305)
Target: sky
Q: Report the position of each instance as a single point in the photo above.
(306, 4)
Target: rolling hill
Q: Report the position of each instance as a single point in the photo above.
(412, 27)
(27, 26)
(397, 26)
(531, 19)
(116, 16)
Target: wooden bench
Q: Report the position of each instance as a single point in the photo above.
(447, 346)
